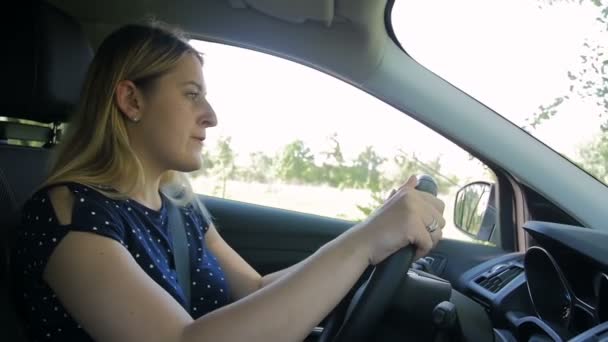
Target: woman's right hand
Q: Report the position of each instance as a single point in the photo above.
(402, 220)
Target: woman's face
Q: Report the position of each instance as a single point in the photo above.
(174, 117)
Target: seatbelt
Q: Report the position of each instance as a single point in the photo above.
(181, 255)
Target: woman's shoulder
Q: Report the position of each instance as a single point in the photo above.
(59, 193)
(70, 206)
(53, 211)
(73, 188)
(63, 201)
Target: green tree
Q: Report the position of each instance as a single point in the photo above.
(334, 169)
(365, 172)
(206, 166)
(408, 165)
(224, 162)
(595, 158)
(444, 182)
(588, 81)
(261, 168)
(376, 200)
(296, 163)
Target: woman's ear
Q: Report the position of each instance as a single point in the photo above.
(129, 100)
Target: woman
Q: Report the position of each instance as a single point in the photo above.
(94, 256)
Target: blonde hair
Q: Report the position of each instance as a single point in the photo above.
(96, 150)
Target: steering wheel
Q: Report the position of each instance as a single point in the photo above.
(355, 319)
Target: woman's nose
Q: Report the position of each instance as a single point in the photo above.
(208, 118)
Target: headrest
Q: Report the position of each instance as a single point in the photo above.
(46, 64)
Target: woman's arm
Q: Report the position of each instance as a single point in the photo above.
(113, 299)
(242, 279)
(272, 277)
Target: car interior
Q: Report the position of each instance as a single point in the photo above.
(547, 282)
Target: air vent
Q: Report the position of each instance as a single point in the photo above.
(495, 281)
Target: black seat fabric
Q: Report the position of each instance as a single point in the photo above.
(47, 66)
(43, 75)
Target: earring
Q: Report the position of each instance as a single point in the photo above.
(135, 119)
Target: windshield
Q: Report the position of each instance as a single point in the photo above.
(539, 63)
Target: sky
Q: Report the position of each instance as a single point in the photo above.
(509, 54)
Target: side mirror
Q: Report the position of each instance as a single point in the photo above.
(475, 211)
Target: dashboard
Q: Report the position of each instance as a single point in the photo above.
(556, 291)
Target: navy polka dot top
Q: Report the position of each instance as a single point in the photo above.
(142, 231)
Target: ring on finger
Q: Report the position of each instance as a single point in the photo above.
(433, 226)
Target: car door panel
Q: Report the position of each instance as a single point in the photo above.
(271, 239)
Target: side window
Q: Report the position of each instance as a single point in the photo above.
(292, 137)
(32, 129)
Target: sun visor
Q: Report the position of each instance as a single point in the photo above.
(293, 11)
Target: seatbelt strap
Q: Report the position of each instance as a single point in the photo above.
(181, 254)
